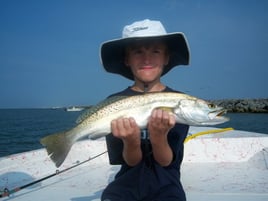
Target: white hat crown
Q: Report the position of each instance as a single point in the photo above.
(145, 28)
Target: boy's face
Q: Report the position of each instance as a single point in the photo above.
(147, 60)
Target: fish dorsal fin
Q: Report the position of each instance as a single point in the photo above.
(88, 112)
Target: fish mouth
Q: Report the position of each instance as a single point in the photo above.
(218, 115)
(221, 113)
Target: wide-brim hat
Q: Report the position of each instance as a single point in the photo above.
(113, 52)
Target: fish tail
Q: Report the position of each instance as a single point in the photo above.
(57, 146)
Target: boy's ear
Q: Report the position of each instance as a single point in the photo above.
(167, 60)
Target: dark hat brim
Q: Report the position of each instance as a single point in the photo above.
(113, 53)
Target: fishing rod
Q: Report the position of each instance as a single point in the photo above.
(8, 192)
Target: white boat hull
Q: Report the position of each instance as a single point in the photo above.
(232, 165)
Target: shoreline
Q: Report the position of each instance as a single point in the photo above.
(243, 105)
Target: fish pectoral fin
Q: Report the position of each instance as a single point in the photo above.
(167, 109)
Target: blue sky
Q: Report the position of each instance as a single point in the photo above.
(49, 49)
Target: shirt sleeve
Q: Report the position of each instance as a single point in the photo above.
(176, 139)
(115, 150)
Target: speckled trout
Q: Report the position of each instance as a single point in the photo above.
(96, 121)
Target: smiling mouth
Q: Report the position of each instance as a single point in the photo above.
(146, 67)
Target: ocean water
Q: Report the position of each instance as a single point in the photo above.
(21, 129)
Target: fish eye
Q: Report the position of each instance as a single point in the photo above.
(211, 105)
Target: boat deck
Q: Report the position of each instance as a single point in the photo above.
(231, 165)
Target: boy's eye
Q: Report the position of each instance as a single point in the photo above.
(137, 51)
(156, 51)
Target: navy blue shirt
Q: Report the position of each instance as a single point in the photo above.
(147, 180)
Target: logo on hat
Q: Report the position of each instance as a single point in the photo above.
(139, 28)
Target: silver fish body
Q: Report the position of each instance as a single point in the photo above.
(96, 122)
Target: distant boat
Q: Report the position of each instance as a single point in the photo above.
(74, 109)
(56, 108)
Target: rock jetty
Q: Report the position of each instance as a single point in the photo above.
(243, 105)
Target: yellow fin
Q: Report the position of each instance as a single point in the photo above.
(168, 109)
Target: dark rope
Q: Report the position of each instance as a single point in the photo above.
(8, 192)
